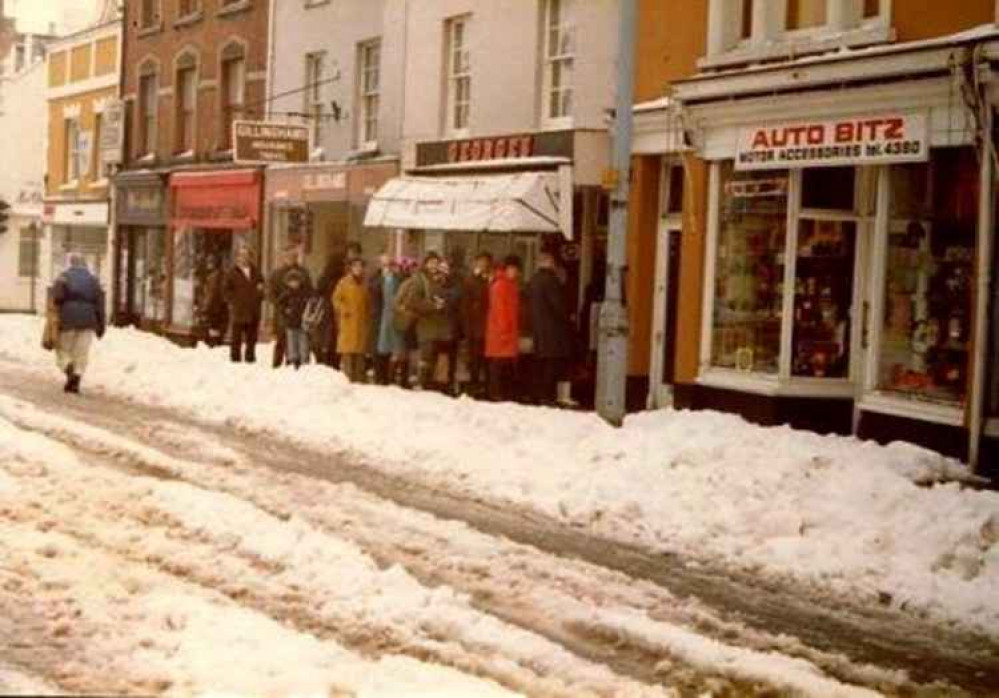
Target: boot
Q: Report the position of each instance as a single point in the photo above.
(68, 387)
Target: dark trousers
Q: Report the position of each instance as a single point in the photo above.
(547, 371)
(279, 346)
(478, 367)
(429, 353)
(244, 336)
(502, 379)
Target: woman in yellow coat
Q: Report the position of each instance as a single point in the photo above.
(351, 303)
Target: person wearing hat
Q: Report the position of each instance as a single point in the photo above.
(78, 296)
(350, 301)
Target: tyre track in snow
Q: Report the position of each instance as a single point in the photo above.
(829, 626)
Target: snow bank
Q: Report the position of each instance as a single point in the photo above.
(836, 511)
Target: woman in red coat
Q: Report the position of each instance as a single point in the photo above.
(503, 330)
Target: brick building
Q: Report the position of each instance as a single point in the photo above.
(182, 205)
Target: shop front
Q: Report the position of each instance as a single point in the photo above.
(76, 227)
(141, 217)
(841, 257)
(213, 213)
(320, 208)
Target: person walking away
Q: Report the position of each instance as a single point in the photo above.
(80, 300)
(274, 288)
(421, 305)
(503, 330)
(295, 292)
(389, 344)
(551, 328)
(475, 308)
(244, 294)
(350, 300)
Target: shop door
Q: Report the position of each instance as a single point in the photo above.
(666, 302)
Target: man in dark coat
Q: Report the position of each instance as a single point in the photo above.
(274, 287)
(476, 311)
(80, 299)
(244, 294)
(551, 327)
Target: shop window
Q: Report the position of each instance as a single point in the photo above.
(369, 88)
(926, 326)
(749, 277)
(148, 298)
(823, 298)
(459, 74)
(198, 256)
(560, 51)
(29, 250)
(829, 188)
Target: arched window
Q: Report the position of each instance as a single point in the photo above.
(232, 70)
(148, 108)
(186, 101)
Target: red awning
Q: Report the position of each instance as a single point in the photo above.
(216, 200)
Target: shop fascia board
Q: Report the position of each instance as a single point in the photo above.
(657, 131)
(807, 74)
(883, 403)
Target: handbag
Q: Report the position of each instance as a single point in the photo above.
(50, 331)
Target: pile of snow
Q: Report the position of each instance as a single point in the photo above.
(836, 511)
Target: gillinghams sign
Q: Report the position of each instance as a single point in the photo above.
(262, 142)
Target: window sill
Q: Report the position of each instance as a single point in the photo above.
(897, 406)
(184, 158)
(798, 44)
(222, 156)
(562, 123)
(150, 30)
(188, 20)
(234, 8)
(101, 183)
(147, 159)
(772, 386)
(316, 3)
(70, 186)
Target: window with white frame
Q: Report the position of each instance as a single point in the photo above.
(560, 51)
(748, 30)
(148, 108)
(458, 75)
(233, 91)
(369, 85)
(71, 130)
(313, 93)
(186, 94)
(29, 253)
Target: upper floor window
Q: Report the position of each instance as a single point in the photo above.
(96, 166)
(459, 74)
(313, 93)
(186, 8)
(71, 131)
(742, 31)
(148, 107)
(149, 13)
(369, 86)
(233, 92)
(560, 51)
(186, 95)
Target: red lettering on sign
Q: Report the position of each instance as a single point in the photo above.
(513, 148)
(527, 145)
(452, 152)
(464, 150)
(844, 132)
(476, 150)
(500, 149)
(760, 140)
(895, 130)
(816, 134)
(487, 150)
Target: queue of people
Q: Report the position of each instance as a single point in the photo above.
(410, 324)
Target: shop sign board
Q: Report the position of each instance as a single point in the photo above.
(869, 140)
(112, 133)
(262, 143)
(491, 148)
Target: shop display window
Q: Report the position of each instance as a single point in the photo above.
(749, 280)
(200, 258)
(823, 297)
(148, 297)
(928, 278)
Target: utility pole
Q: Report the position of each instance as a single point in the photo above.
(612, 351)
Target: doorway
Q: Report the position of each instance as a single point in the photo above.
(667, 285)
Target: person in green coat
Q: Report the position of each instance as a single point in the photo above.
(421, 302)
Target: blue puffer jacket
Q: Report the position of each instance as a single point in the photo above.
(80, 299)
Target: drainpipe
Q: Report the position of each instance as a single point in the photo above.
(271, 29)
(983, 289)
(612, 354)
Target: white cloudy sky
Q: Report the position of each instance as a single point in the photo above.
(38, 15)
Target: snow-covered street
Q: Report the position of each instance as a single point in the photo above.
(188, 527)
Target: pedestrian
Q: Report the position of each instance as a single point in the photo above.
(350, 300)
(503, 330)
(336, 266)
(451, 291)
(551, 328)
(293, 295)
(475, 311)
(80, 300)
(388, 344)
(274, 288)
(212, 312)
(244, 294)
(420, 306)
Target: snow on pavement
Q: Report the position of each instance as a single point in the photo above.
(833, 511)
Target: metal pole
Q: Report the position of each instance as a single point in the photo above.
(612, 352)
